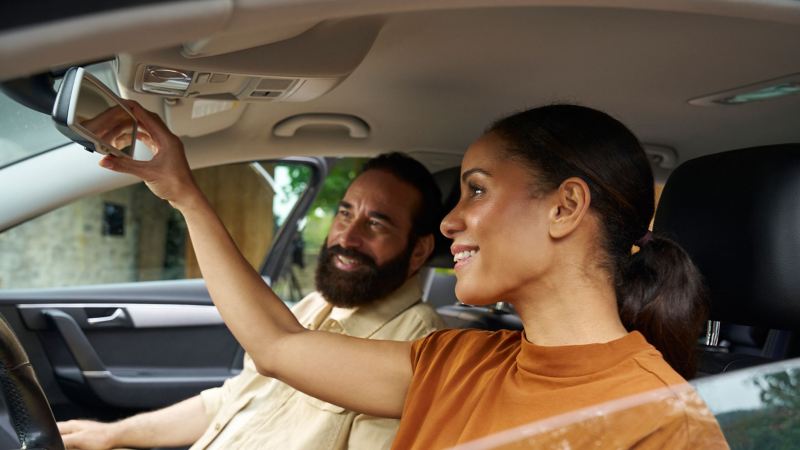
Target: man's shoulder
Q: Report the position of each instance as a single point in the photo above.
(425, 313)
(311, 304)
(414, 322)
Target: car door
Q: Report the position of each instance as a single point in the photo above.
(106, 297)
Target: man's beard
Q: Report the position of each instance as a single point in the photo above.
(364, 285)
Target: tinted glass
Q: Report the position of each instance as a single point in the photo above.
(757, 408)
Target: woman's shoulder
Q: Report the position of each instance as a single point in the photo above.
(471, 336)
(460, 345)
(651, 362)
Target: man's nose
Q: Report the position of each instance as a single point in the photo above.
(350, 235)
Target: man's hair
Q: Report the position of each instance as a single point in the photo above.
(407, 169)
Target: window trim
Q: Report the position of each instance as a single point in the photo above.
(281, 245)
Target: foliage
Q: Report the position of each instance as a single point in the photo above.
(776, 425)
(781, 390)
(299, 175)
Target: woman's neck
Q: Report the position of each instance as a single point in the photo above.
(572, 309)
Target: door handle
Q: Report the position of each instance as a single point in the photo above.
(117, 317)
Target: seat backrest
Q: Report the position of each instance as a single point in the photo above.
(440, 289)
(737, 214)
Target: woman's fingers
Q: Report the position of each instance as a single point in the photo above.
(108, 119)
(142, 135)
(167, 174)
(122, 141)
(126, 165)
(153, 124)
(123, 130)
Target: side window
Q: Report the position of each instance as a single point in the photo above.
(25, 132)
(129, 235)
(296, 279)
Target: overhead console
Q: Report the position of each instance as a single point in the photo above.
(299, 68)
(176, 83)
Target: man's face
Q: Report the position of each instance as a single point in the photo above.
(368, 253)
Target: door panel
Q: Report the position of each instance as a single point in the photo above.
(112, 353)
(106, 351)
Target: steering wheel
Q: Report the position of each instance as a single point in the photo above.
(31, 416)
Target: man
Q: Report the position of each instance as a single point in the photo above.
(381, 235)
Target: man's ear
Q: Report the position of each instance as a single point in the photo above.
(422, 250)
(572, 202)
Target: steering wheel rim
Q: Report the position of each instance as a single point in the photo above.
(30, 413)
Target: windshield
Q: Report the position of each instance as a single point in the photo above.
(25, 132)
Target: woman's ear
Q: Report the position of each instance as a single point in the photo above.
(572, 201)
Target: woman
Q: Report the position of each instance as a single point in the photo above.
(553, 199)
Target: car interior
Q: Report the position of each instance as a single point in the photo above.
(709, 87)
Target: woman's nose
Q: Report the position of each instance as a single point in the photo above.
(451, 224)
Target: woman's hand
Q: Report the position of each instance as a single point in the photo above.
(167, 174)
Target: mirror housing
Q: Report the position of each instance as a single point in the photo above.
(89, 113)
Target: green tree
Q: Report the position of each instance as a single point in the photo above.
(775, 425)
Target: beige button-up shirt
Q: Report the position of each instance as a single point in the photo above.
(251, 411)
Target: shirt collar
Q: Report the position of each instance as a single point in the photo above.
(368, 319)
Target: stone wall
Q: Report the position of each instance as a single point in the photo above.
(67, 247)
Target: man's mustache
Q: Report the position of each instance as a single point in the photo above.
(352, 254)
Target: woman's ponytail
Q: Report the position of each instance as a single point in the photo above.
(661, 294)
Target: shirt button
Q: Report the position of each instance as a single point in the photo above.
(217, 426)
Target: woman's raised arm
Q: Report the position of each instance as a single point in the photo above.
(363, 375)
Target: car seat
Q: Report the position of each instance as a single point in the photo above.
(737, 214)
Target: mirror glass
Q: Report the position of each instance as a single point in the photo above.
(102, 115)
(89, 113)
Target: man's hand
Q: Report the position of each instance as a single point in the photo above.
(87, 435)
(167, 174)
(174, 426)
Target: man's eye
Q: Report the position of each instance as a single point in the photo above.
(344, 213)
(375, 224)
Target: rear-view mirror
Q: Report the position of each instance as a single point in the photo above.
(89, 113)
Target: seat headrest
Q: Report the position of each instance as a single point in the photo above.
(448, 182)
(737, 214)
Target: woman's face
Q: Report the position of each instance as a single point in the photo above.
(500, 231)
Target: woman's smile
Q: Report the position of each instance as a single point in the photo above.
(463, 255)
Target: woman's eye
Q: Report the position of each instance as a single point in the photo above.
(475, 190)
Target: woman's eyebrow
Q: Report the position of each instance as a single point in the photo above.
(469, 172)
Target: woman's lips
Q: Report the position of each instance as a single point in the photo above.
(463, 255)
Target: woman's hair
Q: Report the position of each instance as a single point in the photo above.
(659, 291)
